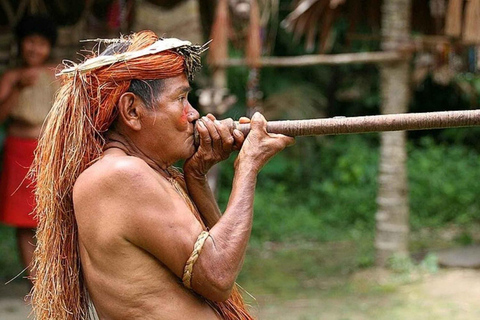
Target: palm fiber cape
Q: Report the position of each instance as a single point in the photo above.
(73, 139)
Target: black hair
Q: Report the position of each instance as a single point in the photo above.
(147, 90)
(37, 24)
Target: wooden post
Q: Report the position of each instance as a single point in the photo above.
(319, 59)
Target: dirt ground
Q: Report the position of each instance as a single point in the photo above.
(451, 294)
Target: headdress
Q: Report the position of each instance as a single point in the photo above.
(72, 139)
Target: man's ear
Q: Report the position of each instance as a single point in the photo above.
(130, 110)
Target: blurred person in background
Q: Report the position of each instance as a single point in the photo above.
(26, 96)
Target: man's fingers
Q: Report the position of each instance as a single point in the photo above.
(211, 117)
(205, 140)
(225, 140)
(226, 136)
(239, 139)
(212, 130)
(243, 120)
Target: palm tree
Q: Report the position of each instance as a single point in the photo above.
(314, 19)
(392, 197)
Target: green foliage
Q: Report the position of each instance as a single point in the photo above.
(320, 200)
(430, 263)
(326, 189)
(406, 271)
(344, 184)
(9, 261)
(464, 239)
(468, 85)
(401, 264)
(443, 184)
(291, 267)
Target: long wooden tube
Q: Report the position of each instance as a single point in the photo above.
(350, 125)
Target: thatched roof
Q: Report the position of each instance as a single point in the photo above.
(313, 19)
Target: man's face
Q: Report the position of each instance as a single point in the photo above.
(35, 50)
(170, 123)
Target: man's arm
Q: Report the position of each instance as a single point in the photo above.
(216, 144)
(157, 219)
(203, 197)
(229, 237)
(222, 257)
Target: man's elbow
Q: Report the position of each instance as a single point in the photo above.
(218, 294)
(217, 288)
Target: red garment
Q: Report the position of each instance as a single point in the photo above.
(16, 192)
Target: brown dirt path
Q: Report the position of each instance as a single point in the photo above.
(451, 294)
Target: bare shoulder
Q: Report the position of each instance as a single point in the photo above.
(115, 174)
(121, 192)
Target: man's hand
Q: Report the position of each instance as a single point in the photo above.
(260, 146)
(217, 142)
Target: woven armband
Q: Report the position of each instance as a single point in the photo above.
(197, 248)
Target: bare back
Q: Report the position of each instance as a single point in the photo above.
(125, 280)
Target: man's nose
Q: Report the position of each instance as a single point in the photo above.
(192, 113)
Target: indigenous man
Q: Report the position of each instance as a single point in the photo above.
(118, 226)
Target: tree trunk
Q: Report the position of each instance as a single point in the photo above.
(392, 198)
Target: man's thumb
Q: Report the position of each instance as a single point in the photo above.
(258, 121)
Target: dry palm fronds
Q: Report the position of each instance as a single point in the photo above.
(73, 139)
(270, 10)
(311, 17)
(438, 11)
(254, 42)
(453, 24)
(219, 34)
(234, 308)
(105, 60)
(325, 36)
(437, 8)
(189, 55)
(471, 28)
(312, 26)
